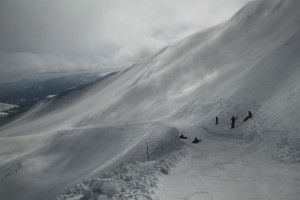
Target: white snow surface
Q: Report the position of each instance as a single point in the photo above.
(93, 141)
(4, 107)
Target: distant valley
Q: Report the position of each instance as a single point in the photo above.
(17, 97)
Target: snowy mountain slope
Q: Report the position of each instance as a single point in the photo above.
(248, 62)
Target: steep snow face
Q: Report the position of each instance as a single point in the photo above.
(249, 62)
(255, 50)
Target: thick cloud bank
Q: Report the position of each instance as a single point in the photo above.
(42, 36)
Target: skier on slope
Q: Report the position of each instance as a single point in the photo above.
(233, 121)
(182, 136)
(196, 140)
(249, 116)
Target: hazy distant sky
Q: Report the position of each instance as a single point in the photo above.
(61, 35)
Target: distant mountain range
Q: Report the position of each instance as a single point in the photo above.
(27, 92)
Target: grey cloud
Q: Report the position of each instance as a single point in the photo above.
(54, 35)
(22, 65)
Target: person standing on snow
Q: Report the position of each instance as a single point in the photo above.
(233, 121)
(217, 120)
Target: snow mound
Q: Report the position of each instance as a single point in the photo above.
(130, 181)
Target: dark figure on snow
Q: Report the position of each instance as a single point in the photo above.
(182, 136)
(233, 121)
(196, 140)
(217, 120)
(249, 116)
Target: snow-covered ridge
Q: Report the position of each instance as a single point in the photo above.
(250, 62)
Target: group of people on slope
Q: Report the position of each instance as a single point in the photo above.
(233, 119)
(196, 140)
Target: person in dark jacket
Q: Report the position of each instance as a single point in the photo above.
(233, 121)
(182, 136)
(196, 140)
(249, 116)
(217, 120)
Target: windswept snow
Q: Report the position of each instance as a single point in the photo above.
(250, 62)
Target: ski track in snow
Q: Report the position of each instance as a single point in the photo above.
(220, 168)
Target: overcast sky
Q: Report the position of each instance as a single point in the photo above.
(61, 35)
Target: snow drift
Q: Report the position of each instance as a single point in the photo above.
(250, 62)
